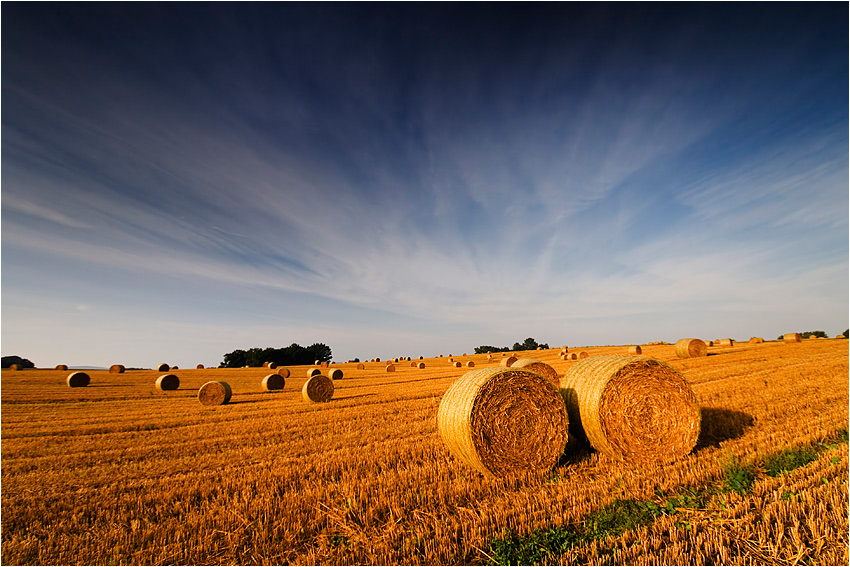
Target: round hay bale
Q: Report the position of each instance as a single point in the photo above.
(582, 354)
(361, 366)
(573, 356)
(632, 407)
(503, 420)
(116, 369)
(709, 343)
(395, 360)
(413, 365)
(200, 367)
(507, 361)
(77, 379)
(215, 393)
(420, 365)
(812, 337)
(167, 382)
(61, 367)
(635, 350)
(390, 368)
(335, 374)
(273, 382)
(318, 388)
(792, 338)
(272, 365)
(377, 359)
(470, 364)
(457, 364)
(313, 372)
(537, 366)
(756, 340)
(163, 368)
(175, 367)
(690, 348)
(726, 342)
(283, 371)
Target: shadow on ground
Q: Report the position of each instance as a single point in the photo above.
(719, 424)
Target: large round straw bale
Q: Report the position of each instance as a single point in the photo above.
(503, 420)
(167, 382)
(582, 354)
(200, 367)
(313, 372)
(273, 382)
(726, 342)
(283, 371)
(470, 364)
(539, 367)
(318, 388)
(507, 361)
(457, 364)
(335, 374)
(361, 366)
(420, 365)
(792, 338)
(163, 368)
(635, 350)
(61, 367)
(390, 368)
(572, 356)
(632, 407)
(116, 369)
(215, 393)
(78, 380)
(690, 348)
(756, 340)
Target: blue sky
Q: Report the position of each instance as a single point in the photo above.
(181, 180)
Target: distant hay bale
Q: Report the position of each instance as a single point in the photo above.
(283, 371)
(271, 365)
(390, 368)
(503, 420)
(756, 340)
(167, 382)
(313, 372)
(377, 359)
(175, 367)
(635, 350)
(632, 408)
(116, 369)
(726, 342)
(317, 389)
(273, 382)
(420, 365)
(163, 368)
(200, 367)
(792, 338)
(709, 343)
(572, 356)
(690, 348)
(457, 364)
(61, 367)
(470, 364)
(323, 364)
(395, 360)
(215, 393)
(537, 366)
(335, 374)
(361, 366)
(413, 365)
(812, 337)
(76, 379)
(507, 361)
(582, 354)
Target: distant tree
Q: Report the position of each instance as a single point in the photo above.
(8, 361)
(529, 344)
(293, 355)
(484, 349)
(808, 334)
(235, 359)
(847, 334)
(320, 352)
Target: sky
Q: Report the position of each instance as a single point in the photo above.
(180, 180)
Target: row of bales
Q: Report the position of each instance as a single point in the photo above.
(629, 407)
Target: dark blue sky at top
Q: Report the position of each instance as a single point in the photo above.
(307, 146)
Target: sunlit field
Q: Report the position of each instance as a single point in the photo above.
(121, 473)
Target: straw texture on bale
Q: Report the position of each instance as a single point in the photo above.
(167, 382)
(273, 382)
(504, 420)
(116, 369)
(508, 361)
(390, 368)
(313, 372)
(725, 342)
(690, 348)
(215, 393)
(792, 338)
(537, 366)
(163, 368)
(335, 374)
(634, 350)
(582, 354)
(632, 408)
(77, 380)
(61, 367)
(318, 388)
(283, 371)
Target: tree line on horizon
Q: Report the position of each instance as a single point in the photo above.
(293, 355)
(527, 344)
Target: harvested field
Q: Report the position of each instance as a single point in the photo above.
(122, 473)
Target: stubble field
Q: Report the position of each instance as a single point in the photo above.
(122, 473)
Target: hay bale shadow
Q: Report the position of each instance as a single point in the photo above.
(720, 424)
(577, 451)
